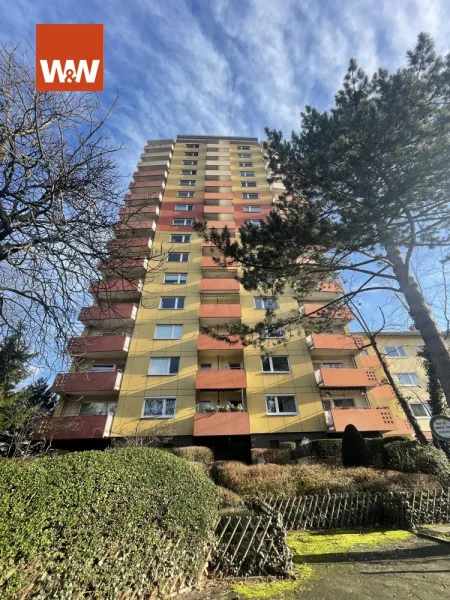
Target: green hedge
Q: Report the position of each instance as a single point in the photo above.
(274, 456)
(412, 457)
(328, 448)
(197, 454)
(96, 524)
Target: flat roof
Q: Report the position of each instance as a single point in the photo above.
(217, 137)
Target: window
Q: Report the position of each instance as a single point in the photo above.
(246, 164)
(235, 366)
(395, 351)
(97, 408)
(252, 208)
(172, 303)
(410, 379)
(185, 194)
(190, 162)
(255, 222)
(243, 147)
(180, 238)
(184, 207)
(188, 172)
(275, 364)
(103, 368)
(202, 405)
(248, 183)
(191, 153)
(175, 278)
(250, 196)
(187, 182)
(418, 409)
(168, 332)
(182, 222)
(164, 366)
(266, 303)
(247, 173)
(343, 402)
(244, 155)
(281, 405)
(331, 365)
(192, 146)
(275, 334)
(205, 366)
(178, 257)
(159, 407)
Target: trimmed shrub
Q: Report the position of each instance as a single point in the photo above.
(99, 524)
(276, 456)
(229, 499)
(197, 454)
(412, 457)
(355, 451)
(328, 448)
(376, 447)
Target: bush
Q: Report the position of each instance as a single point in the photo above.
(229, 499)
(376, 447)
(262, 480)
(276, 456)
(412, 457)
(355, 451)
(101, 523)
(197, 454)
(329, 448)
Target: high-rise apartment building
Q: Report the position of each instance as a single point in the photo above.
(144, 368)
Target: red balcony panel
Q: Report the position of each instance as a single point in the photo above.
(403, 427)
(331, 287)
(383, 392)
(87, 382)
(335, 341)
(126, 310)
(206, 342)
(71, 428)
(217, 210)
(145, 184)
(222, 311)
(143, 172)
(130, 266)
(226, 423)
(334, 313)
(218, 196)
(219, 285)
(221, 379)
(125, 246)
(370, 361)
(212, 183)
(99, 344)
(364, 419)
(141, 196)
(135, 228)
(346, 378)
(116, 287)
(139, 212)
(208, 262)
(222, 224)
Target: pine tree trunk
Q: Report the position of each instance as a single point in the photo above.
(423, 319)
(400, 397)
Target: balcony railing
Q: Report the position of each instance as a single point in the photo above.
(346, 378)
(221, 423)
(88, 382)
(117, 312)
(221, 379)
(132, 267)
(339, 342)
(219, 285)
(139, 212)
(117, 289)
(100, 345)
(131, 246)
(312, 309)
(73, 427)
(205, 342)
(135, 228)
(364, 419)
(220, 311)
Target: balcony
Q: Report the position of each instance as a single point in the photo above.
(364, 419)
(132, 267)
(100, 346)
(147, 186)
(98, 383)
(219, 314)
(221, 224)
(322, 343)
(117, 314)
(218, 210)
(154, 161)
(117, 290)
(221, 423)
(218, 196)
(326, 291)
(219, 285)
(346, 378)
(218, 183)
(138, 199)
(217, 174)
(141, 213)
(205, 342)
(209, 263)
(221, 379)
(332, 312)
(131, 246)
(73, 427)
(135, 229)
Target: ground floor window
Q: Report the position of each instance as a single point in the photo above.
(159, 407)
(281, 405)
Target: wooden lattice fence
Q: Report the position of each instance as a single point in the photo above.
(341, 511)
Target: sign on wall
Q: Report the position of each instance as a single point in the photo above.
(440, 427)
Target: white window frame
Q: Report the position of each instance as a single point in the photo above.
(397, 354)
(191, 153)
(245, 164)
(255, 222)
(187, 182)
(263, 303)
(244, 155)
(163, 416)
(191, 145)
(167, 373)
(411, 375)
(247, 173)
(252, 208)
(107, 403)
(280, 330)
(271, 364)
(250, 196)
(172, 331)
(183, 223)
(179, 275)
(243, 147)
(190, 162)
(176, 298)
(182, 194)
(249, 184)
(184, 207)
(278, 412)
(188, 171)
(422, 405)
(186, 238)
(181, 254)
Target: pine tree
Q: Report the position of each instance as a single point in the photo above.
(355, 451)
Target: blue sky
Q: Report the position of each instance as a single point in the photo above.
(233, 67)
